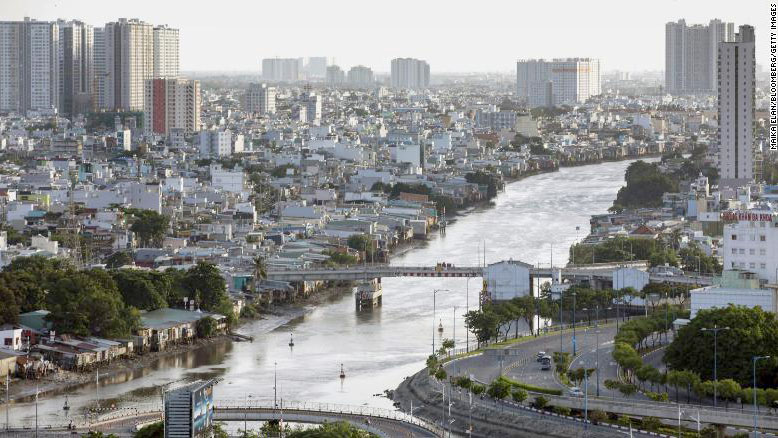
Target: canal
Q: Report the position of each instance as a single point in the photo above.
(531, 219)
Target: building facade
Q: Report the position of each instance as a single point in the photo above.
(29, 65)
(691, 53)
(165, 52)
(129, 62)
(557, 82)
(335, 75)
(751, 242)
(76, 68)
(410, 73)
(361, 77)
(281, 69)
(171, 104)
(736, 88)
(260, 99)
(215, 143)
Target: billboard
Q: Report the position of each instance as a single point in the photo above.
(202, 410)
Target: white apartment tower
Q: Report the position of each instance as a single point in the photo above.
(165, 52)
(751, 242)
(335, 75)
(557, 82)
(361, 77)
(29, 65)
(260, 99)
(215, 143)
(171, 104)
(281, 69)
(76, 67)
(691, 54)
(129, 62)
(409, 73)
(736, 85)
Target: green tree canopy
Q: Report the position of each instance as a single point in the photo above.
(752, 332)
(149, 226)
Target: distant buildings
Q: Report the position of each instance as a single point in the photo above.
(129, 60)
(76, 67)
(736, 85)
(335, 75)
(281, 69)
(558, 82)
(691, 53)
(172, 104)
(260, 99)
(751, 242)
(409, 73)
(317, 67)
(215, 143)
(165, 52)
(29, 65)
(361, 77)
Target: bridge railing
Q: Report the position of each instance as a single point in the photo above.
(326, 408)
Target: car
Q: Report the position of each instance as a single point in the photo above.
(575, 392)
(540, 355)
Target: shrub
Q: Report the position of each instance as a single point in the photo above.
(651, 424)
(597, 416)
(540, 402)
(440, 374)
(499, 388)
(463, 382)
(477, 389)
(624, 420)
(562, 410)
(519, 395)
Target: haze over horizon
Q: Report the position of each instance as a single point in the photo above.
(452, 36)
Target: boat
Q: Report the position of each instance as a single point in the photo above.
(369, 294)
(440, 326)
(342, 372)
(67, 406)
(291, 339)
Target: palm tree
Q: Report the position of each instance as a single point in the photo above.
(260, 272)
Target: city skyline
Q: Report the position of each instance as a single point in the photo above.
(447, 36)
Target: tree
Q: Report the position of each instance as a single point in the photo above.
(88, 303)
(753, 332)
(362, 243)
(138, 290)
(540, 402)
(339, 429)
(519, 395)
(260, 272)
(205, 284)
(153, 430)
(205, 327)
(9, 310)
(499, 388)
(149, 226)
(482, 323)
(645, 186)
(118, 259)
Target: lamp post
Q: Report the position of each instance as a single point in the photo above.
(434, 296)
(573, 323)
(756, 418)
(716, 329)
(454, 333)
(467, 309)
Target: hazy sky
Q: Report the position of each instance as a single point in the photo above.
(454, 36)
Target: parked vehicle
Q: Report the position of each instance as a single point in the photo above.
(575, 392)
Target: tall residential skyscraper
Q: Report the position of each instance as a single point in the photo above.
(557, 82)
(100, 70)
(129, 61)
(335, 75)
(409, 73)
(312, 108)
(317, 67)
(171, 103)
(361, 76)
(76, 67)
(691, 53)
(165, 52)
(29, 65)
(281, 69)
(736, 84)
(260, 99)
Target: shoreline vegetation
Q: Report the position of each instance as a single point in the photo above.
(62, 381)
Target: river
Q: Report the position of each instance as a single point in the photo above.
(379, 348)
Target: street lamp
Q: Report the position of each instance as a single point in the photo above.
(467, 309)
(573, 323)
(756, 418)
(716, 329)
(434, 296)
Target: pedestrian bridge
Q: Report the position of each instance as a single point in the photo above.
(594, 272)
(382, 422)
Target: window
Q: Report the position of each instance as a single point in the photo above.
(742, 251)
(763, 266)
(762, 251)
(751, 251)
(752, 265)
(734, 236)
(734, 250)
(762, 238)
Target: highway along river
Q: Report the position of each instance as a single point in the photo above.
(377, 349)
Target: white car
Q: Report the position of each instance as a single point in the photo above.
(575, 392)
